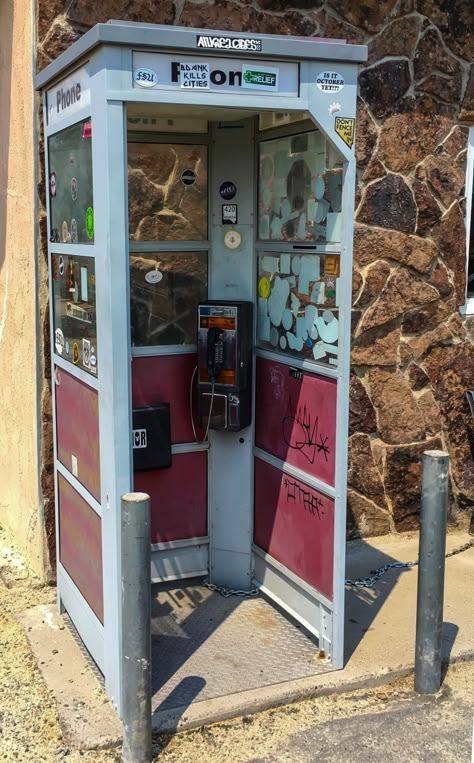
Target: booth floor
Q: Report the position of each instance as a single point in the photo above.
(206, 646)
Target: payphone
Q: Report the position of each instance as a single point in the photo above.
(224, 377)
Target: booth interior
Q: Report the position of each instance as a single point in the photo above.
(200, 276)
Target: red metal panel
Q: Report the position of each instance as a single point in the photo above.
(295, 419)
(77, 426)
(166, 379)
(80, 545)
(294, 523)
(178, 497)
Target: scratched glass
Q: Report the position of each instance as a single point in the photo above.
(167, 192)
(165, 289)
(298, 298)
(74, 310)
(299, 190)
(71, 200)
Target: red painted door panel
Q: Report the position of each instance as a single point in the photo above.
(295, 420)
(294, 523)
(77, 424)
(178, 497)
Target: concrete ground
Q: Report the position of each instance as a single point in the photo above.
(379, 650)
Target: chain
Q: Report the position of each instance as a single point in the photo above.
(377, 574)
(226, 592)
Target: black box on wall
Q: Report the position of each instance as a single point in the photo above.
(151, 438)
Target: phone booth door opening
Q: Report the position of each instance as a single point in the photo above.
(200, 339)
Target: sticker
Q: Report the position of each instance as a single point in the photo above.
(153, 276)
(215, 42)
(296, 373)
(334, 108)
(74, 189)
(263, 78)
(229, 214)
(345, 127)
(188, 177)
(145, 77)
(67, 348)
(90, 222)
(93, 361)
(264, 288)
(59, 341)
(139, 438)
(54, 237)
(73, 231)
(74, 465)
(52, 184)
(86, 353)
(92, 279)
(65, 231)
(194, 76)
(61, 265)
(75, 353)
(330, 82)
(228, 190)
(232, 239)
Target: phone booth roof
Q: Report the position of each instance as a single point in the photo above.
(162, 37)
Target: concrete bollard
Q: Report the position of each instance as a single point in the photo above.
(431, 566)
(136, 628)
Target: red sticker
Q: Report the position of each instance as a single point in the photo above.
(52, 184)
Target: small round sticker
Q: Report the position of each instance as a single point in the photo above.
(153, 276)
(74, 189)
(90, 222)
(228, 190)
(75, 353)
(52, 184)
(145, 77)
(188, 177)
(73, 231)
(59, 341)
(65, 232)
(330, 82)
(264, 288)
(61, 265)
(232, 239)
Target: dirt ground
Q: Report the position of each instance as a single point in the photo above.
(30, 730)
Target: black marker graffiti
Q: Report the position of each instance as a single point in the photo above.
(302, 434)
(297, 494)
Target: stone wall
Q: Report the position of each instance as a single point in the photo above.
(412, 359)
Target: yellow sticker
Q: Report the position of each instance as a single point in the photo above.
(264, 288)
(232, 239)
(65, 231)
(75, 353)
(345, 128)
(331, 265)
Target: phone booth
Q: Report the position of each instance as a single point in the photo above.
(200, 193)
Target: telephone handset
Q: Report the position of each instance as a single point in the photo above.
(215, 352)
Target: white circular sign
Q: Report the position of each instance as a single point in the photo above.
(59, 341)
(330, 82)
(153, 276)
(232, 239)
(145, 77)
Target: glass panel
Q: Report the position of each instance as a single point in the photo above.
(269, 119)
(70, 185)
(300, 190)
(165, 289)
(298, 305)
(75, 328)
(167, 192)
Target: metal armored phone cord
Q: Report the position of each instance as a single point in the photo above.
(200, 442)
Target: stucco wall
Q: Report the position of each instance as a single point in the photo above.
(19, 498)
(412, 359)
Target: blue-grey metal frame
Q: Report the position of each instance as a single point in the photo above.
(106, 54)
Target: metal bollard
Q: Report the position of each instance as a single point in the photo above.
(429, 608)
(136, 630)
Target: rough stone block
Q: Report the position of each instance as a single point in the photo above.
(364, 517)
(398, 416)
(389, 203)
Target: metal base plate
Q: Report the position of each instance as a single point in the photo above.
(206, 646)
